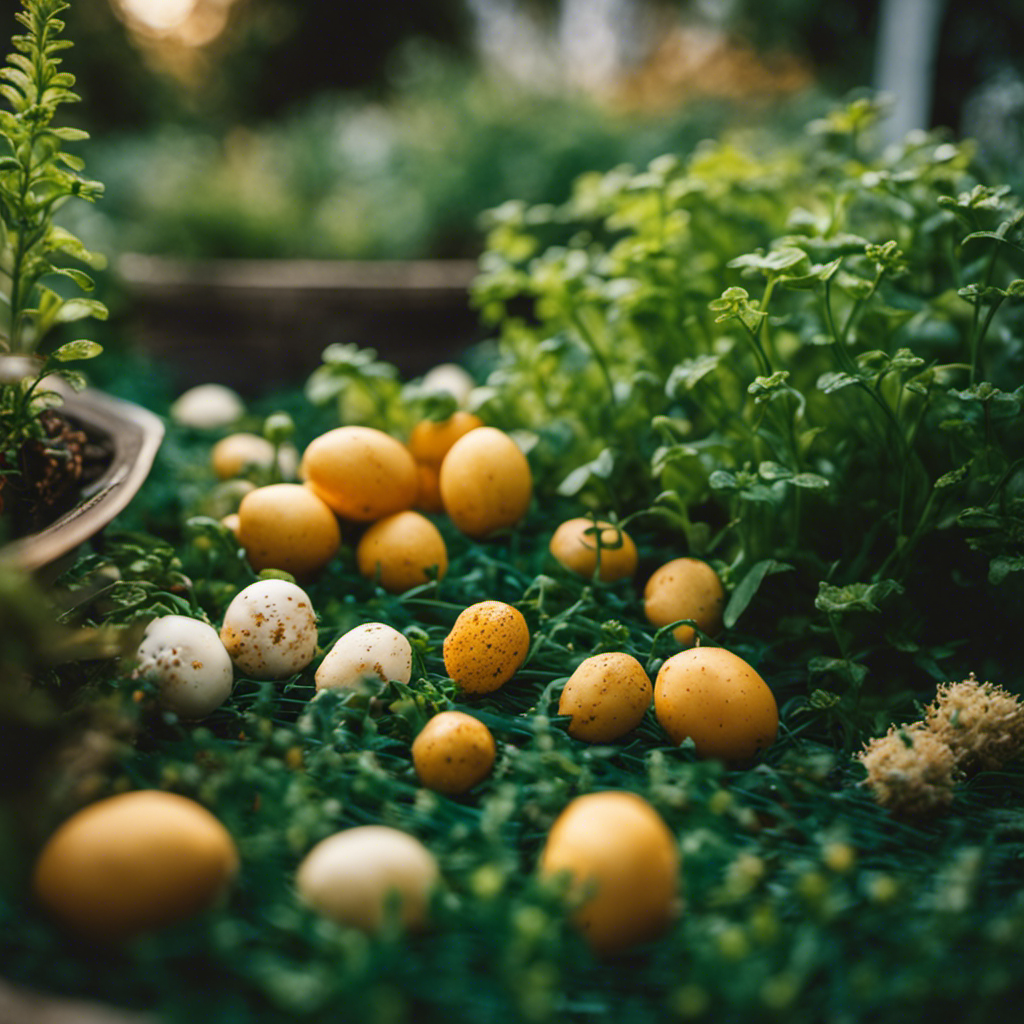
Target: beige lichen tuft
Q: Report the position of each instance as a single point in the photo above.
(981, 723)
(910, 771)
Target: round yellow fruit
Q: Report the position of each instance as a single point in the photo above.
(685, 588)
(362, 473)
(485, 482)
(404, 550)
(134, 863)
(453, 752)
(286, 526)
(487, 644)
(353, 876)
(431, 440)
(607, 696)
(716, 699)
(580, 545)
(617, 846)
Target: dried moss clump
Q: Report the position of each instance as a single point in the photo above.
(910, 771)
(981, 723)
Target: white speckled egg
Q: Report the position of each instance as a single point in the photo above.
(269, 630)
(187, 660)
(372, 650)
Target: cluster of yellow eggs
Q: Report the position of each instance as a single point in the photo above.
(363, 479)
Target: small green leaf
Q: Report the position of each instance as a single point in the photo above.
(722, 480)
(749, 586)
(774, 471)
(835, 380)
(82, 349)
(854, 596)
(80, 309)
(953, 477)
(1001, 567)
(810, 481)
(75, 380)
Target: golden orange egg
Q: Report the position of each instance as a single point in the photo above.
(615, 846)
(362, 473)
(580, 545)
(607, 696)
(685, 588)
(453, 752)
(712, 696)
(133, 863)
(286, 526)
(428, 496)
(485, 482)
(402, 551)
(487, 644)
(430, 440)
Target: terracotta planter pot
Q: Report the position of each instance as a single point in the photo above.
(133, 435)
(258, 325)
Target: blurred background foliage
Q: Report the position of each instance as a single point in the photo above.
(261, 128)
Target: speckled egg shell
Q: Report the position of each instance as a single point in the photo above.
(719, 701)
(269, 630)
(487, 644)
(453, 752)
(188, 662)
(607, 696)
(373, 650)
(685, 588)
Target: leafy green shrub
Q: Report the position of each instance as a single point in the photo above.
(345, 177)
(844, 443)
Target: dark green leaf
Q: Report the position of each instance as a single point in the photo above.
(749, 586)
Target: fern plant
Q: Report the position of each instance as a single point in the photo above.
(37, 176)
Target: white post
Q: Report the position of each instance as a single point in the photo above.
(908, 34)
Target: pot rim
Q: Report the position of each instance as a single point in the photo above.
(136, 434)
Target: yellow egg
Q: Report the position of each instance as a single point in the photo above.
(286, 526)
(362, 473)
(607, 696)
(453, 752)
(353, 876)
(133, 863)
(685, 588)
(430, 440)
(487, 644)
(716, 699)
(616, 846)
(579, 544)
(428, 494)
(404, 550)
(233, 454)
(485, 482)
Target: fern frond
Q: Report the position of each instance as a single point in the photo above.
(37, 177)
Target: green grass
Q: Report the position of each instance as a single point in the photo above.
(804, 901)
